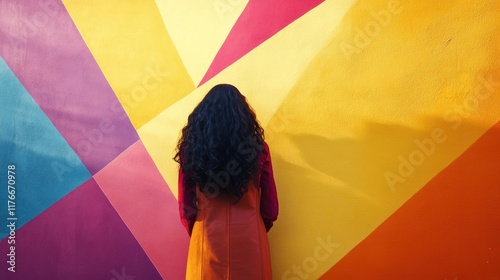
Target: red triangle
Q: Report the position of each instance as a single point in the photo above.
(450, 229)
(259, 21)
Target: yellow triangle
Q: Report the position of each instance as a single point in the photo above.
(198, 29)
(134, 51)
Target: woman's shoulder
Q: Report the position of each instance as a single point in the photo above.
(264, 153)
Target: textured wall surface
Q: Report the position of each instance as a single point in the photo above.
(383, 119)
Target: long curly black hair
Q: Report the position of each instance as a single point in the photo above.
(220, 146)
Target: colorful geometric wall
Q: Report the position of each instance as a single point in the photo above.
(382, 117)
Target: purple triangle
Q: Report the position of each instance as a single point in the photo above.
(80, 237)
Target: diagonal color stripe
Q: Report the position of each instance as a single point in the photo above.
(143, 200)
(135, 54)
(81, 237)
(198, 29)
(449, 230)
(44, 49)
(258, 22)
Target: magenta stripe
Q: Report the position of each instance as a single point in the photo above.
(42, 46)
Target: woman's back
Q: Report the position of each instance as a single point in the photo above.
(229, 240)
(227, 194)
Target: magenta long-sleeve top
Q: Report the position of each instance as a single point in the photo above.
(269, 199)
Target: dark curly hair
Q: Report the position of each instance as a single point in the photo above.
(220, 146)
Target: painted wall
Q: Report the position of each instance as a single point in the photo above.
(382, 117)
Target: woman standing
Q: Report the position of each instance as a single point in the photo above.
(227, 195)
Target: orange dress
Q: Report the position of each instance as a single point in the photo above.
(229, 240)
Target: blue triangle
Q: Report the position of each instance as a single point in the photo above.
(46, 168)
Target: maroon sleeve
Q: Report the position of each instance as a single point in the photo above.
(269, 199)
(187, 201)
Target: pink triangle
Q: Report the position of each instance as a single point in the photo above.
(259, 21)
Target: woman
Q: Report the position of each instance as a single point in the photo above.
(227, 195)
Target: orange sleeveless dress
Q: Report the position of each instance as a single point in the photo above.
(229, 240)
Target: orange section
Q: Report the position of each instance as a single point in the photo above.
(449, 230)
(137, 191)
(229, 241)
